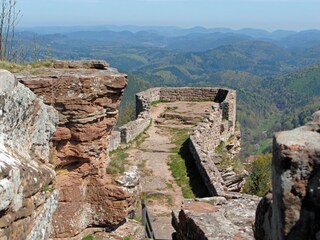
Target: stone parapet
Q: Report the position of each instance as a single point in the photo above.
(219, 125)
(207, 169)
(224, 99)
(133, 129)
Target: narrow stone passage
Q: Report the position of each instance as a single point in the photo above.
(159, 188)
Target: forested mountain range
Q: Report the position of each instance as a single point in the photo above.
(276, 74)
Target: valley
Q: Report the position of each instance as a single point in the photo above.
(275, 73)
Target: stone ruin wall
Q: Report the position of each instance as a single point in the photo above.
(28, 194)
(219, 125)
(131, 130)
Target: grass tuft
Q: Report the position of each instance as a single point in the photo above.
(177, 163)
(89, 237)
(118, 160)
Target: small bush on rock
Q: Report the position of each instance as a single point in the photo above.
(259, 180)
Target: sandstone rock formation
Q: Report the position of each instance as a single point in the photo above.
(293, 210)
(28, 195)
(86, 95)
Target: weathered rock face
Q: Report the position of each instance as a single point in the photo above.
(293, 210)
(216, 218)
(86, 95)
(27, 189)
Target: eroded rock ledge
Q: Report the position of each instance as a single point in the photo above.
(28, 195)
(292, 211)
(86, 96)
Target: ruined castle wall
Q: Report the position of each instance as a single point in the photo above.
(28, 195)
(230, 108)
(145, 98)
(221, 98)
(188, 94)
(114, 140)
(207, 169)
(203, 141)
(219, 125)
(134, 128)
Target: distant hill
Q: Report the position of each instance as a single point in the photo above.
(276, 74)
(302, 39)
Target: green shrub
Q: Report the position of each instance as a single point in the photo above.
(117, 162)
(259, 180)
(89, 237)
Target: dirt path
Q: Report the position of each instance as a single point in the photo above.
(151, 153)
(159, 188)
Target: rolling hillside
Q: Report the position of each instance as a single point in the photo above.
(276, 74)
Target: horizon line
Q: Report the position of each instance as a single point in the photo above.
(168, 26)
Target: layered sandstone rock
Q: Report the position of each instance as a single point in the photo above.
(292, 211)
(28, 196)
(86, 95)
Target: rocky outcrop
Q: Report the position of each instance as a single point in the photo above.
(216, 218)
(28, 195)
(86, 95)
(293, 210)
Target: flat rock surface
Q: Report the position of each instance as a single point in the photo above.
(232, 219)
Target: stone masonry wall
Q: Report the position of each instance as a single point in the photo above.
(28, 195)
(114, 140)
(188, 94)
(218, 126)
(144, 99)
(203, 141)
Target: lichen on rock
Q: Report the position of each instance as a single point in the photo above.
(27, 182)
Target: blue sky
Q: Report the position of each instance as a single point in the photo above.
(236, 14)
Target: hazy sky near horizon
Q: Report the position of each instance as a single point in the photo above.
(236, 14)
